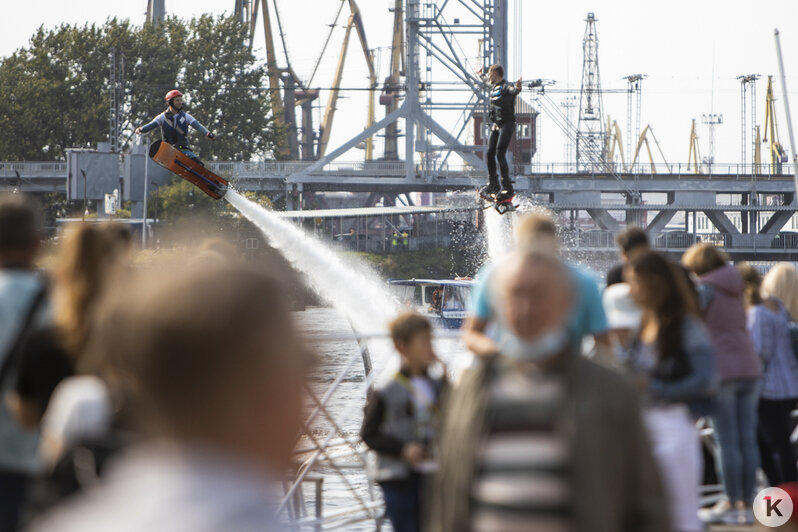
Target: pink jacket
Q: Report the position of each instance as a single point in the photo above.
(725, 317)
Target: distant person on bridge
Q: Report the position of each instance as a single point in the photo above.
(174, 123)
(502, 118)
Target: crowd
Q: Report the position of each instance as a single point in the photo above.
(170, 397)
(156, 398)
(543, 434)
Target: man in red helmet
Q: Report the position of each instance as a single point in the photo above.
(174, 123)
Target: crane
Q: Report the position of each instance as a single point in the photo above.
(776, 150)
(355, 22)
(694, 156)
(614, 140)
(391, 87)
(643, 139)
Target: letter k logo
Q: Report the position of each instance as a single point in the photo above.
(772, 506)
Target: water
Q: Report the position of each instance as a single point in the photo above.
(499, 234)
(359, 299)
(349, 286)
(333, 358)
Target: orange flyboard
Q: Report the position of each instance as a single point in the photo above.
(179, 163)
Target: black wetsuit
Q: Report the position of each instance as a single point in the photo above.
(502, 116)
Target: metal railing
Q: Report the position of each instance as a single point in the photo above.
(33, 169)
(396, 169)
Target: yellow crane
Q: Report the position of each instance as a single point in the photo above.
(391, 87)
(643, 139)
(614, 140)
(355, 22)
(776, 150)
(694, 156)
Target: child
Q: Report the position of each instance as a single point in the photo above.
(401, 422)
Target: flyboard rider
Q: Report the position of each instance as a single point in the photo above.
(174, 124)
(502, 118)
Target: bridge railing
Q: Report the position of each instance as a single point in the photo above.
(396, 169)
(683, 171)
(33, 169)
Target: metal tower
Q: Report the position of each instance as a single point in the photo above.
(116, 93)
(633, 111)
(156, 11)
(590, 138)
(747, 99)
(569, 103)
(712, 120)
(432, 31)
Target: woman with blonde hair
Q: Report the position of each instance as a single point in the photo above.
(85, 266)
(768, 324)
(781, 282)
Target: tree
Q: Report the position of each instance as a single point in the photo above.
(56, 90)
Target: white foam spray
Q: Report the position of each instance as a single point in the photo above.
(499, 231)
(349, 287)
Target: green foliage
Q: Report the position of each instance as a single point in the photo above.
(56, 90)
(180, 199)
(438, 263)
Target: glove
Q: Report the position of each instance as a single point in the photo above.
(210, 135)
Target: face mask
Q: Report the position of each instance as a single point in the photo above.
(550, 344)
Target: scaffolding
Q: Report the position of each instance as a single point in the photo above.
(433, 33)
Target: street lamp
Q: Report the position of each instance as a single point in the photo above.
(146, 181)
(85, 208)
(157, 198)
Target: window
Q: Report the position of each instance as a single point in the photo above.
(522, 131)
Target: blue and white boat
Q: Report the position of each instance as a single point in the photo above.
(444, 301)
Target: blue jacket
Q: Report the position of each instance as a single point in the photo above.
(174, 128)
(697, 389)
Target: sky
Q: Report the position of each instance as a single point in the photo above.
(691, 51)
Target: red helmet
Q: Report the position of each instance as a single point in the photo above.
(174, 93)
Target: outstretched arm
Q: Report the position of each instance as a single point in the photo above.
(147, 127)
(193, 122)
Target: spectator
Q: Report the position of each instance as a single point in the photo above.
(768, 324)
(538, 437)
(675, 364)
(85, 266)
(538, 232)
(22, 307)
(631, 243)
(401, 423)
(623, 317)
(734, 420)
(218, 375)
(781, 282)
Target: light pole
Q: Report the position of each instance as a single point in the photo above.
(157, 198)
(146, 181)
(85, 209)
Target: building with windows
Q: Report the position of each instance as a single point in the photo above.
(523, 145)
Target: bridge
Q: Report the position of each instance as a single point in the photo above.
(746, 207)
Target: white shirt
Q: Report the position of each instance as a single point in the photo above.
(79, 408)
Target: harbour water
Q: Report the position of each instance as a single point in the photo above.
(346, 404)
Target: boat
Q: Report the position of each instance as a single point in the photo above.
(444, 301)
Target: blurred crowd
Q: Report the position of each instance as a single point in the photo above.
(166, 397)
(170, 397)
(598, 406)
